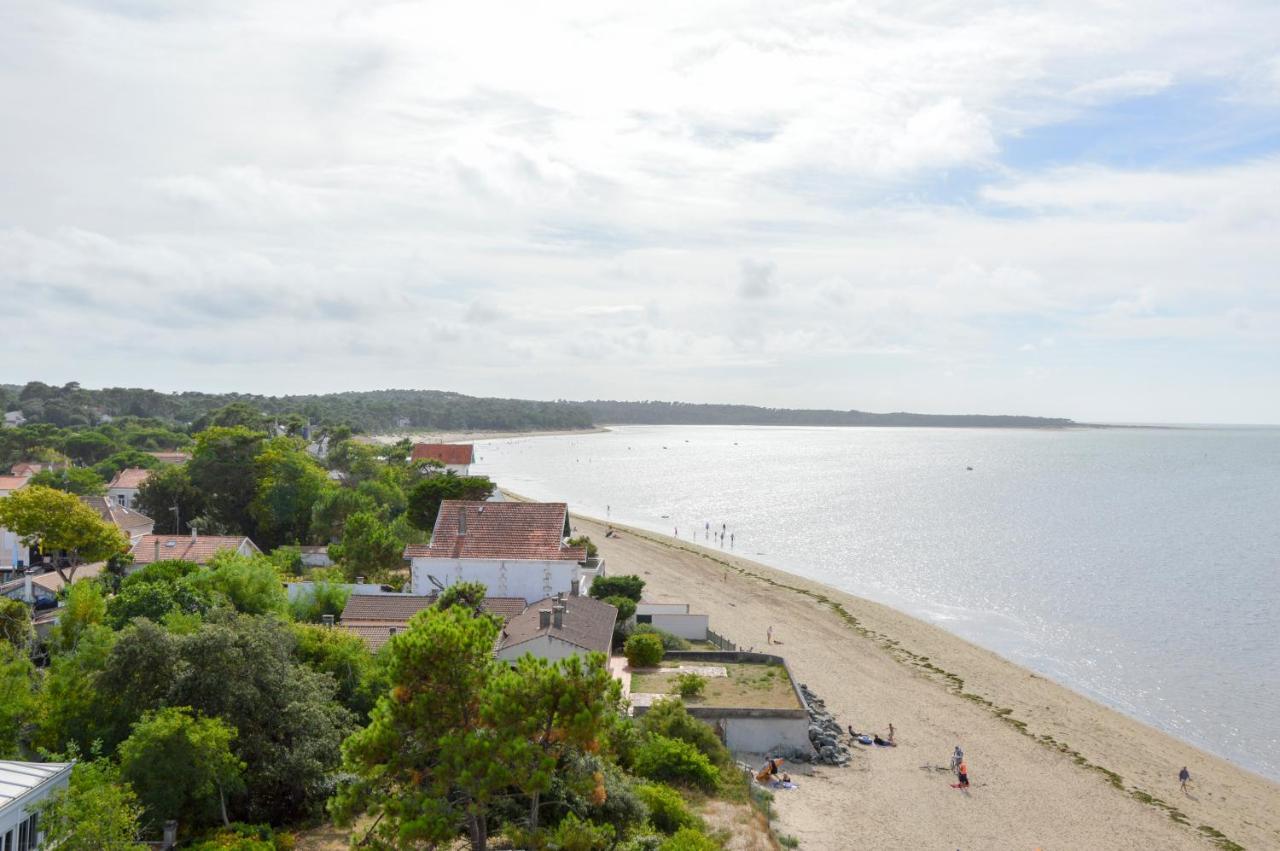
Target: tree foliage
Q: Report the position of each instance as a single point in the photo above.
(17, 697)
(15, 623)
(166, 488)
(180, 764)
(96, 812)
(60, 521)
(81, 481)
(368, 547)
(222, 469)
(631, 587)
(426, 495)
(643, 650)
(289, 482)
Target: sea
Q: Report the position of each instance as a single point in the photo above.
(1137, 566)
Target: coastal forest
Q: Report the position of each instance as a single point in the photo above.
(384, 411)
(204, 694)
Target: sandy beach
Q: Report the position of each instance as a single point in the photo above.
(1050, 769)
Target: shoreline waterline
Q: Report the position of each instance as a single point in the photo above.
(1048, 721)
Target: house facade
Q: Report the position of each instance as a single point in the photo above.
(456, 457)
(123, 489)
(557, 627)
(517, 549)
(23, 785)
(11, 549)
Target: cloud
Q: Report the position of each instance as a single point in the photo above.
(368, 187)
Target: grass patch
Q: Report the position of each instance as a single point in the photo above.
(751, 685)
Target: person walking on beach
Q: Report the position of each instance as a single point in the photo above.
(730, 540)
(964, 775)
(769, 634)
(1184, 777)
(891, 733)
(957, 757)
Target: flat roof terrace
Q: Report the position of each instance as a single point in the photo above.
(742, 685)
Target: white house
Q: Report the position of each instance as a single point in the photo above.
(23, 785)
(557, 627)
(456, 457)
(11, 549)
(13, 419)
(674, 618)
(123, 489)
(517, 549)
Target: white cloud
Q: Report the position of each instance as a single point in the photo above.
(365, 187)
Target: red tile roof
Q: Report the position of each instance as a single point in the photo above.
(132, 477)
(186, 548)
(445, 453)
(373, 617)
(500, 530)
(12, 483)
(125, 519)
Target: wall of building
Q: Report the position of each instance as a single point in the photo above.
(532, 580)
(544, 647)
(691, 627)
(765, 735)
(644, 607)
(14, 813)
(129, 494)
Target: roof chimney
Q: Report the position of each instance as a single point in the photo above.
(359, 580)
(193, 530)
(575, 588)
(557, 616)
(157, 543)
(326, 620)
(462, 520)
(544, 618)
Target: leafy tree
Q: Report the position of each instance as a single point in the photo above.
(80, 481)
(241, 668)
(368, 547)
(71, 707)
(322, 598)
(88, 447)
(585, 542)
(222, 468)
(15, 623)
(669, 717)
(468, 595)
(289, 482)
(60, 521)
(549, 709)
(84, 606)
(625, 605)
(428, 766)
(249, 583)
(158, 598)
(239, 415)
(331, 509)
(426, 495)
(667, 810)
(178, 763)
(631, 587)
(643, 650)
(661, 758)
(17, 697)
(347, 659)
(167, 487)
(96, 812)
(125, 459)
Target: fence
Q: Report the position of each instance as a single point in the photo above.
(720, 641)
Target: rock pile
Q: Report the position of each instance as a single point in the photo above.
(824, 731)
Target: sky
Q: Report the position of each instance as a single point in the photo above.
(1056, 208)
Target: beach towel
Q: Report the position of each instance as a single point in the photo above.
(864, 739)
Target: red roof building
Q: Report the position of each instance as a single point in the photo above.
(449, 454)
(130, 477)
(199, 549)
(500, 530)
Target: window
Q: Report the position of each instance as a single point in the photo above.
(119, 499)
(644, 618)
(6, 841)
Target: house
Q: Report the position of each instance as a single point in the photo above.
(199, 549)
(123, 489)
(13, 419)
(377, 617)
(29, 468)
(516, 549)
(316, 556)
(674, 618)
(12, 551)
(171, 457)
(456, 457)
(134, 524)
(556, 627)
(23, 785)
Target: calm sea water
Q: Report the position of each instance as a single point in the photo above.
(1140, 567)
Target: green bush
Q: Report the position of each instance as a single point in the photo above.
(661, 758)
(575, 834)
(668, 717)
(584, 541)
(669, 641)
(643, 651)
(691, 685)
(625, 605)
(688, 839)
(246, 837)
(667, 811)
(630, 587)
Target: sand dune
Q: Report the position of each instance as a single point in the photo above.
(1050, 769)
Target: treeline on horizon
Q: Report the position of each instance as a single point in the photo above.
(379, 411)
